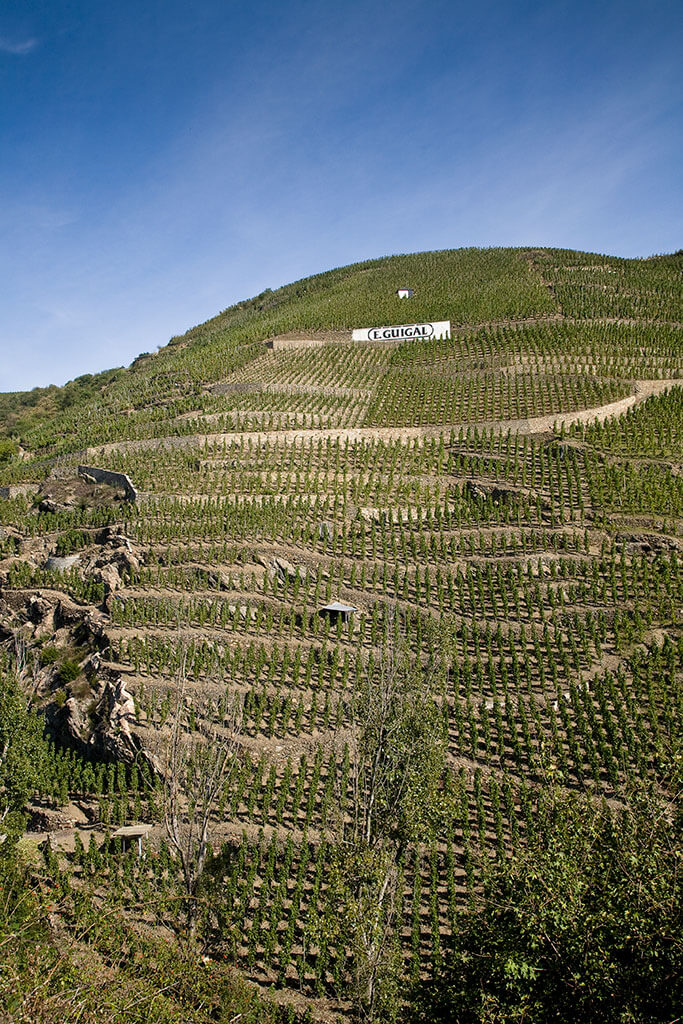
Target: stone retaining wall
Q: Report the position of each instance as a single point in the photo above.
(107, 476)
(282, 344)
(55, 563)
(15, 490)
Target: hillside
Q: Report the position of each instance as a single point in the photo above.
(502, 511)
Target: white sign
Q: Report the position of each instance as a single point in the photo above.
(404, 332)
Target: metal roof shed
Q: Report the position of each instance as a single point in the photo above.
(337, 610)
(129, 833)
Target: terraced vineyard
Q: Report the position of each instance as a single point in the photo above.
(503, 513)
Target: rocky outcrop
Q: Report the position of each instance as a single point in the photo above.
(109, 576)
(478, 491)
(52, 613)
(115, 560)
(112, 736)
(282, 568)
(498, 495)
(61, 492)
(41, 611)
(107, 563)
(100, 725)
(648, 543)
(287, 570)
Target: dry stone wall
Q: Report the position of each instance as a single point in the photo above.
(17, 490)
(108, 476)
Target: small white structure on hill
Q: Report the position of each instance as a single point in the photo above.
(405, 293)
(130, 834)
(336, 610)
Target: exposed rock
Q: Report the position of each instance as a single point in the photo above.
(50, 505)
(117, 551)
(504, 495)
(69, 725)
(93, 628)
(40, 610)
(125, 561)
(67, 612)
(91, 665)
(287, 570)
(281, 567)
(476, 491)
(109, 575)
(112, 534)
(219, 580)
(49, 611)
(482, 492)
(60, 493)
(99, 726)
(647, 543)
(8, 619)
(112, 736)
(35, 550)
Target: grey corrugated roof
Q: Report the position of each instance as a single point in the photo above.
(337, 606)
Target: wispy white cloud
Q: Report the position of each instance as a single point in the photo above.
(18, 47)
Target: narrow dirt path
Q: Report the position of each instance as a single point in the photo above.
(533, 425)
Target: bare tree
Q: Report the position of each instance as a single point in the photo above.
(397, 753)
(22, 747)
(27, 669)
(397, 749)
(197, 758)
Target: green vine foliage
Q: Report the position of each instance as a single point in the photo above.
(23, 757)
(474, 827)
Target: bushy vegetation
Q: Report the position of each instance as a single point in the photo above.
(583, 926)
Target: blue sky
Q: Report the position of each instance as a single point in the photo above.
(161, 159)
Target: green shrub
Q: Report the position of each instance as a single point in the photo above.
(68, 671)
(584, 925)
(49, 655)
(8, 449)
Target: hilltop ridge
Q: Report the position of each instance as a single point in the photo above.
(468, 286)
